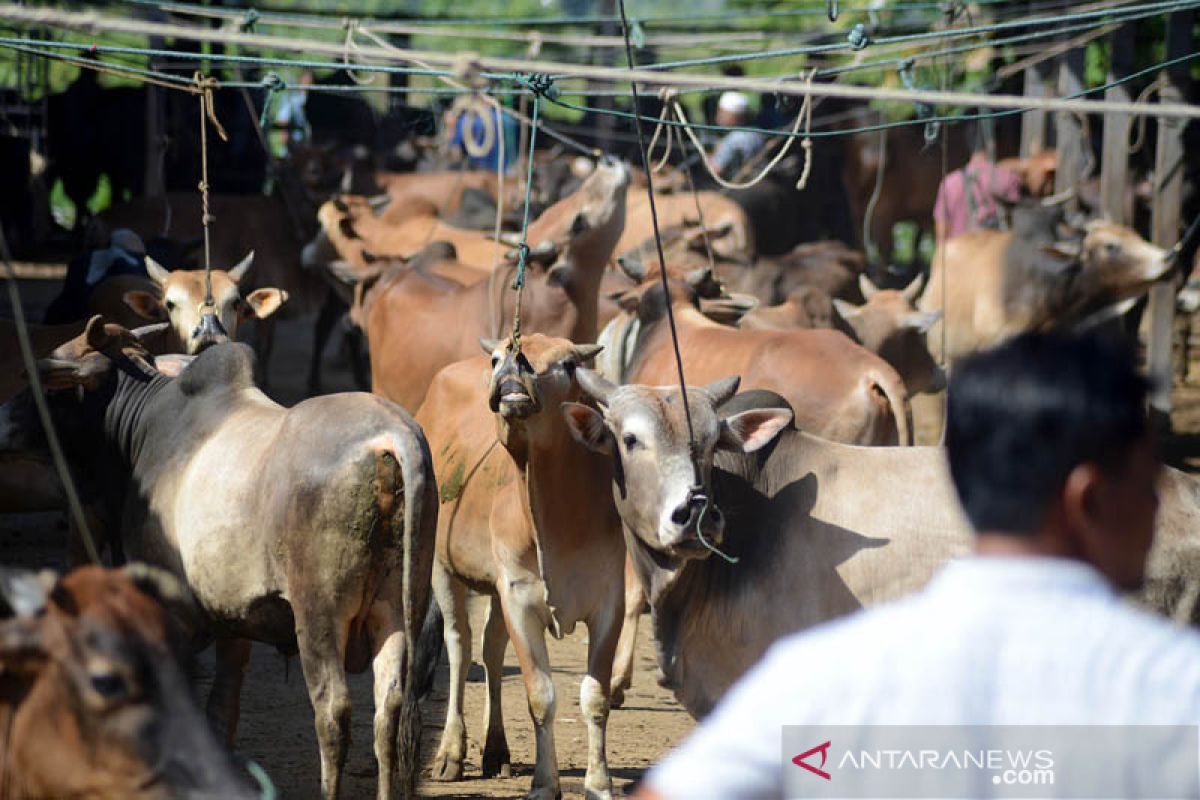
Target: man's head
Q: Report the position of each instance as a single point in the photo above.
(733, 109)
(1050, 451)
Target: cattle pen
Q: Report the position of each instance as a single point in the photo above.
(367, 195)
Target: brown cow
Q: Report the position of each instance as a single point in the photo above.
(180, 301)
(838, 389)
(994, 284)
(92, 701)
(511, 526)
(827, 265)
(679, 210)
(417, 322)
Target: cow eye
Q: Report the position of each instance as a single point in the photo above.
(1112, 248)
(170, 304)
(109, 684)
(630, 441)
(495, 361)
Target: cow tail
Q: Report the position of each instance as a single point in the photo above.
(420, 498)
(897, 397)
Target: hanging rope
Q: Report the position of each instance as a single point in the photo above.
(208, 114)
(351, 26)
(540, 85)
(668, 96)
(805, 114)
(697, 489)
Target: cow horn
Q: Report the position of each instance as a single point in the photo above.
(915, 287)
(95, 334)
(586, 352)
(157, 272)
(633, 268)
(723, 389)
(867, 287)
(489, 345)
(147, 331)
(594, 385)
(237, 273)
(24, 593)
(158, 583)
(379, 201)
(1060, 198)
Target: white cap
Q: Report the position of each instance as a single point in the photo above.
(128, 241)
(734, 103)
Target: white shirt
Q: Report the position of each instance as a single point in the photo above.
(990, 641)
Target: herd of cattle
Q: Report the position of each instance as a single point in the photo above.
(557, 472)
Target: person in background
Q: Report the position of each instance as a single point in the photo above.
(736, 148)
(125, 255)
(969, 197)
(290, 115)
(1053, 461)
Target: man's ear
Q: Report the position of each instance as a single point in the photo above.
(587, 427)
(145, 305)
(262, 303)
(752, 430)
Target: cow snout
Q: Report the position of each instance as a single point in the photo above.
(208, 332)
(693, 523)
(513, 400)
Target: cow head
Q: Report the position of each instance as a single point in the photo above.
(585, 227)
(194, 324)
(663, 507)
(890, 325)
(540, 375)
(93, 702)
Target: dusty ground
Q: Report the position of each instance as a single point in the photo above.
(276, 723)
(276, 728)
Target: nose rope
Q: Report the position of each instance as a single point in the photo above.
(700, 528)
(204, 90)
(662, 261)
(1187, 237)
(537, 85)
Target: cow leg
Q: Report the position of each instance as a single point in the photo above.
(225, 699)
(359, 364)
(451, 596)
(496, 759)
(331, 311)
(388, 638)
(524, 613)
(322, 654)
(635, 605)
(603, 633)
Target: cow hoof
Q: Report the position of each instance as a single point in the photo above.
(497, 763)
(617, 698)
(597, 794)
(544, 793)
(446, 769)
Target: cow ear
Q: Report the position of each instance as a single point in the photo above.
(752, 430)
(145, 305)
(633, 267)
(845, 309)
(56, 373)
(172, 364)
(587, 427)
(163, 587)
(867, 287)
(262, 303)
(24, 593)
(921, 321)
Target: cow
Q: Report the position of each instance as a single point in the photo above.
(511, 527)
(92, 701)
(993, 284)
(679, 210)
(829, 266)
(180, 299)
(418, 322)
(818, 529)
(838, 389)
(805, 307)
(329, 509)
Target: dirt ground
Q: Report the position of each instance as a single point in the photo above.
(276, 723)
(276, 727)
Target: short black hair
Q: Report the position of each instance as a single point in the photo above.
(1022, 415)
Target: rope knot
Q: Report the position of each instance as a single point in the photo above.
(272, 82)
(468, 70)
(249, 19)
(858, 37)
(541, 84)
(668, 94)
(522, 258)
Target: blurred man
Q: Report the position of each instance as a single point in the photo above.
(477, 129)
(1051, 457)
(736, 148)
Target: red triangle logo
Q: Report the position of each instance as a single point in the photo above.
(823, 749)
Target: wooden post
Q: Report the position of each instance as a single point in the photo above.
(1068, 132)
(1168, 200)
(1114, 161)
(1033, 123)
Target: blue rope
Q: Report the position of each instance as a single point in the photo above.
(273, 84)
(540, 85)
